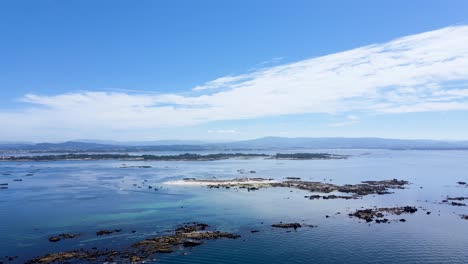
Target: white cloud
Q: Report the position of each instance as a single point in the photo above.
(423, 72)
(222, 131)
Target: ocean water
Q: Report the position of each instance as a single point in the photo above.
(87, 196)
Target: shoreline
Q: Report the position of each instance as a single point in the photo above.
(208, 182)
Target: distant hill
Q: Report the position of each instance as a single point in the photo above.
(345, 143)
(75, 146)
(267, 143)
(144, 143)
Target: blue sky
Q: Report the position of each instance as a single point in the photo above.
(215, 70)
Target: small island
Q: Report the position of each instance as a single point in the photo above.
(355, 191)
(179, 157)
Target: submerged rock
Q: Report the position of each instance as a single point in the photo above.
(455, 199)
(192, 243)
(312, 197)
(287, 225)
(192, 227)
(138, 167)
(107, 232)
(62, 236)
(293, 178)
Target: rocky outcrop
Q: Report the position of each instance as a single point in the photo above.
(189, 235)
(357, 190)
(77, 255)
(379, 213)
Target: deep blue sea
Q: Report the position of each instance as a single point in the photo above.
(87, 196)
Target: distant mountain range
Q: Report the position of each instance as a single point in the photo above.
(347, 143)
(267, 143)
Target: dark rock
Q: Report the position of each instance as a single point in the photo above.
(54, 239)
(192, 243)
(370, 214)
(409, 209)
(191, 228)
(457, 198)
(287, 225)
(461, 183)
(63, 236)
(107, 232)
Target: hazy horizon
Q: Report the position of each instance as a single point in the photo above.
(194, 142)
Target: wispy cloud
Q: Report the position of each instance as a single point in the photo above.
(350, 119)
(418, 73)
(222, 131)
(226, 82)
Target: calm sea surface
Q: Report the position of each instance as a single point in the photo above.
(87, 196)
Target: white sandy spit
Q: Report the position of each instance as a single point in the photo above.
(196, 182)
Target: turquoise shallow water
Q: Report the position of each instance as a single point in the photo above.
(86, 196)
